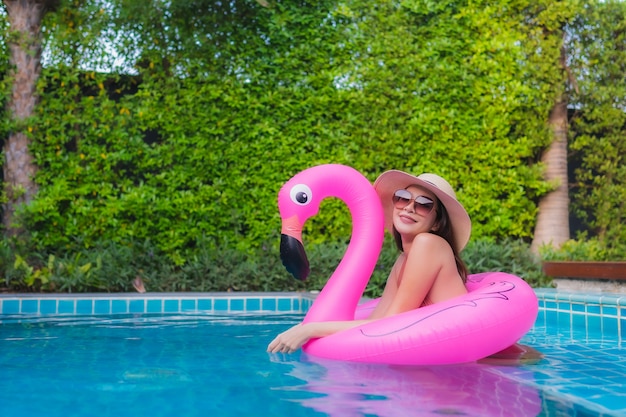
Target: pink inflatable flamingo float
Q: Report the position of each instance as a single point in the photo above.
(497, 311)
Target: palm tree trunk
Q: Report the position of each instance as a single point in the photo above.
(25, 45)
(552, 226)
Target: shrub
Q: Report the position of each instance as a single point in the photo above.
(586, 250)
(510, 255)
(111, 266)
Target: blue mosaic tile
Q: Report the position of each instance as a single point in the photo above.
(84, 306)
(154, 306)
(609, 325)
(609, 310)
(564, 305)
(10, 306)
(205, 304)
(594, 323)
(102, 307)
(188, 305)
(269, 304)
(220, 304)
(30, 307)
(119, 306)
(136, 306)
(593, 309)
(284, 304)
(541, 316)
(48, 306)
(171, 306)
(237, 304)
(66, 307)
(579, 320)
(253, 304)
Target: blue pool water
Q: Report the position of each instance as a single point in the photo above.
(201, 360)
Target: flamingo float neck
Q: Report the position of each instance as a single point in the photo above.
(300, 198)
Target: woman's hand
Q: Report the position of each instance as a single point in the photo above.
(292, 339)
(298, 335)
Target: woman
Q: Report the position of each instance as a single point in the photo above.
(431, 228)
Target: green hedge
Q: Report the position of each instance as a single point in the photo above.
(185, 147)
(111, 267)
(202, 150)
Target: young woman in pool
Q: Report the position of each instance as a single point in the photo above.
(431, 228)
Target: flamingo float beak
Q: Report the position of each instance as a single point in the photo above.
(292, 252)
(294, 257)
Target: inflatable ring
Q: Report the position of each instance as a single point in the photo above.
(496, 312)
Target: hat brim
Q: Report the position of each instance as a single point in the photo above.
(391, 181)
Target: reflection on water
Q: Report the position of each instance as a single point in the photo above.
(358, 389)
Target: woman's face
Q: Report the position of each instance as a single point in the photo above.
(408, 220)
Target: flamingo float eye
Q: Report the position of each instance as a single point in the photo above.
(301, 194)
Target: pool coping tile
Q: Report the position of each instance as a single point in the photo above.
(136, 303)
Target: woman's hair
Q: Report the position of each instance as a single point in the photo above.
(444, 230)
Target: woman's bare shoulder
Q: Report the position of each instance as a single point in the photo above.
(428, 246)
(426, 240)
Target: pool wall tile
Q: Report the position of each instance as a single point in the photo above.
(11, 307)
(48, 306)
(84, 306)
(237, 304)
(171, 306)
(269, 304)
(253, 304)
(102, 307)
(94, 304)
(154, 306)
(66, 307)
(284, 304)
(30, 306)
(220, 305)
(136, 306)
(592, 312)
(205, 304)
(188, 305)
(119, 306)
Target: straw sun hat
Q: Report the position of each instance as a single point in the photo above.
(391, 181)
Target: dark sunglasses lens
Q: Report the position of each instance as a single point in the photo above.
(423, 205)
(401, 198)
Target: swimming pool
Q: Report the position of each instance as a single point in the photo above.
(204, 354)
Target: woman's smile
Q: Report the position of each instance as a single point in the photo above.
(406, 218)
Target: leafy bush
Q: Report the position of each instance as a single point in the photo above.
(201, 139)
(112, 267)
(510, 255)
(586, 250)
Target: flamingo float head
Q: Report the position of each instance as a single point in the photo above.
(297, 203)
(300, 198)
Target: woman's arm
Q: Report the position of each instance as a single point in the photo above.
(405, 290)
(292, 339)
(423, 264)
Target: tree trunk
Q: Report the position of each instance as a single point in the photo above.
(552, 226)
(25, 45)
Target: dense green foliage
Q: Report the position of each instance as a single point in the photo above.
(227, 106)
(177, 144)
(599, 126)
(113, 267)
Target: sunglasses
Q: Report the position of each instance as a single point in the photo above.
(421, 205)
